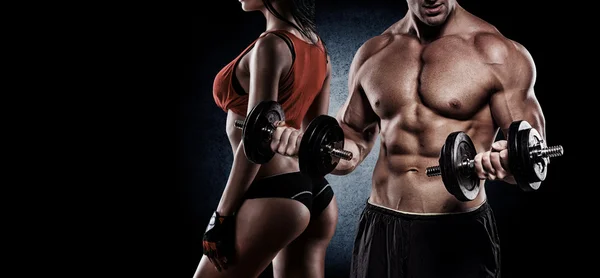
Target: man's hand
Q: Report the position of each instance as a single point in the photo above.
(493, 164)
(285, 140)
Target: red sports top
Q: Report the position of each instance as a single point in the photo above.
(296, 91)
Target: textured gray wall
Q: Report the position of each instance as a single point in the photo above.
(357, 24)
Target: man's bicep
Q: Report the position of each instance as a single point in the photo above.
(360, 126)
(357, 118)
(356, 106)
(517, 99)
(510, 106)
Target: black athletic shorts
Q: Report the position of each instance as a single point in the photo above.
(315, 194)
(391, 243)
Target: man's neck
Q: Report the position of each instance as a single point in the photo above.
(427, 33)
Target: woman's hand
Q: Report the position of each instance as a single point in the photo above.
(219, 240)
(285, 140)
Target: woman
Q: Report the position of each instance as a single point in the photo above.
(271, 212)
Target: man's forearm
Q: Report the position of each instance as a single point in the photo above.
(345, 167)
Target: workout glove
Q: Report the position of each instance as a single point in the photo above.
(218, 243)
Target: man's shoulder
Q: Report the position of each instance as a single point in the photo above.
(376, 43)
(490, 42)
(371, 47)
(508, 56)
(380, 42)
(495, 47)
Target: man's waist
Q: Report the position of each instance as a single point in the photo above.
(405, 207)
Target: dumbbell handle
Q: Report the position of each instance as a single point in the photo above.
(468, 164)
(343, 154)
(553, 151)
(240, 124)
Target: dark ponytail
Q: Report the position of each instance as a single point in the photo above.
(303, 12)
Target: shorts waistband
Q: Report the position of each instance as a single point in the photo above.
(482, 208)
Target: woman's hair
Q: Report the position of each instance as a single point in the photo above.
(303, 12)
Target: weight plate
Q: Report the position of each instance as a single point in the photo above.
(314, 158)
(535, 168)
(516, 160)
(257, 140)
(458, 177)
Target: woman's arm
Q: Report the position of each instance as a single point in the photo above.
(286, 140)
(320, 105)
(270, 59)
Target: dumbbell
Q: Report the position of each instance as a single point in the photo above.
(321, 147)
(457, 167)
(527, 153)
(257, 130)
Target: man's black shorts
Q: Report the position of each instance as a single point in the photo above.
(391, 243)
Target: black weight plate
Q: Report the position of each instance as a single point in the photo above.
(313, 158)
(460, 180)
(530, 140)
(257, 141)
(516, 164)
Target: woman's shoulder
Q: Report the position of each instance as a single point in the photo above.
(271, 43)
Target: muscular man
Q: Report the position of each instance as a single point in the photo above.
(437, 70)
